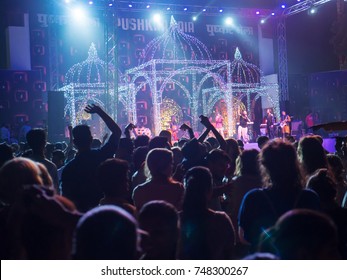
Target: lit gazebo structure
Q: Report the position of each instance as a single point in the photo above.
(168, 57)
(175, 54)
(84, 84)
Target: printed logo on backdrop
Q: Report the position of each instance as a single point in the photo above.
(145, 24)
(44, 20)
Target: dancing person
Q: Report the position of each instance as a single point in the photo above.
(174, 128)
(270, 121)
(285, 124)
(79, 175)
(219, 122)
(242, 131)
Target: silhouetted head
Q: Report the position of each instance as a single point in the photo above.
(141, 140)
(112, 177)
(82, 137)
(217, 162)
(305, 235)
(311, 154)
(323, 184)
(106, 233)
(279, 165)
(198, 184)
(247, 163)
(262, 140)
(15, 174)
(6, 153)
(160, 220)
(36, 139)
(159, 163)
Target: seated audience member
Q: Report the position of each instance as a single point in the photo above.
(304, 234)
(37, 141)
(106, 233)
(160, 220)
(78, 176)
(205, 234)
(160, 185)
(283, 191)
(112, 178)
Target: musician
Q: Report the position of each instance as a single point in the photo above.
(219, 122)
(285, 124)
(174, 128)
(270, 121)
(242, 131)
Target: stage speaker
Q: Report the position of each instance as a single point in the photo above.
(56, 121)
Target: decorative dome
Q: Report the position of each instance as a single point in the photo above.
(174, 44)
(91, 70)
(243, 72)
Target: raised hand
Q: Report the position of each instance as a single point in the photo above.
(130, 126)
(92, 109)
(185, 127)
(205, 121)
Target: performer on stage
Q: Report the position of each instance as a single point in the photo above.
(219, 122)
(285, 124)
(174, 128)
(270, 121)
(242, 130)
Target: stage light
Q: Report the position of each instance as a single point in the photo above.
(90, 2)
(110, 4)
(185, 9)
(229, 21)
(78, 13)
(148, 6)
(204, 10)
(67, 1)
(168, 8)
(195, 18)
(130, 5)
(262, 21)
(283, 6)
(313, 11)
(157, 18)
(272, 14)
(221, 10)
(257, 12)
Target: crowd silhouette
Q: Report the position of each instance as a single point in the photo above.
(198, 198)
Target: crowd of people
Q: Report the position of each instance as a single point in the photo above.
(197, 198)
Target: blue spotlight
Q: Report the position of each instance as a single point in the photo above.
(195, 18)
(283, 6)
(229, 21)
(185, 9)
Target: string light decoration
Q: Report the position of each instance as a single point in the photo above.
(169, 108)
(170, 56)
(230, 81)
(85, 84)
